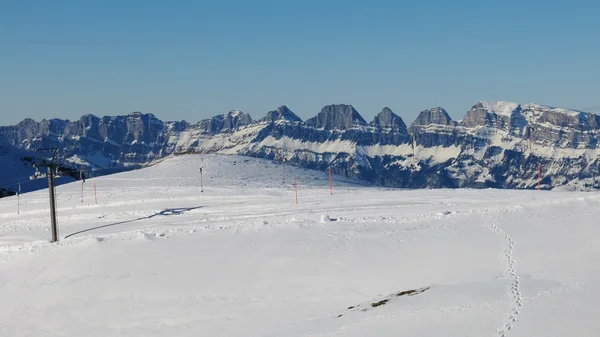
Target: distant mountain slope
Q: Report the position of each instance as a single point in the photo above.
(496, 144)
(17, 166)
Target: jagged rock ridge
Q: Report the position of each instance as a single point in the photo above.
(387, 119)
(434, 116)
(282, 113)
(337, 117)
(496, 144)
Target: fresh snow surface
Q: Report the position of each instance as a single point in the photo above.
(500, 107)
(157, 257)
(506, 108)
(534, 107)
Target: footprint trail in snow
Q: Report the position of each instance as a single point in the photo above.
(511, 272)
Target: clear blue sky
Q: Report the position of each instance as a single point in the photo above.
(193, 59)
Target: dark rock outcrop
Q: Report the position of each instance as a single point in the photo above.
(336, 117)
(434, 116)
(229, 122)
(282, 113)
(387, 119)
(483, 115)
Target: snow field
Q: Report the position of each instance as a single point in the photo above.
(157, 257)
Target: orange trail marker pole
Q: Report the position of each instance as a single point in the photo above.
(296, 190)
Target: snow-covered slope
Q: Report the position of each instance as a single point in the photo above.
(158, 257)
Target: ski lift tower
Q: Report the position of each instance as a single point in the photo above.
(283, 162)
(52, 172)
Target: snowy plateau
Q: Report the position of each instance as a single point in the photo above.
(495, 145)
(155, 256)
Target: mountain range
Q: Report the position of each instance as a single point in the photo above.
(495, 145)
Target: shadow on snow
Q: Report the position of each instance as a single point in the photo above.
(166, 212)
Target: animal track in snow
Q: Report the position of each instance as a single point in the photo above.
(511, 273)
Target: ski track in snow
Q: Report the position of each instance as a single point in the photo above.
(511, 272)
(221, 223)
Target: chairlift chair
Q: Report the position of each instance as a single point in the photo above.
(36, 174)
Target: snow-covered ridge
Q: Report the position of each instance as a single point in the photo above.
(545, 108)
(497, 144)
(500, 107)
(504, 108)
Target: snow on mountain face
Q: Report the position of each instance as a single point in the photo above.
(492, 114)
(508, 110)
(496, 144)
(500, 108)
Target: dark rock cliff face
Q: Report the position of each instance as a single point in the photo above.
(106, 142)
(282, 113)
(229, 122)
(388, 120)
(434, 116)
(479, 115)
(340, 117)
(496, 144)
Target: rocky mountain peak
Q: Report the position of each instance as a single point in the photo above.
(236, 119)
(387, 119)
(486, 113)
(336, 116)
(282, 113)
(435, 115)
(89, 117)
(226, 122)
(53, 126)
(501, 108)
(141, 114)
(27, 123)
